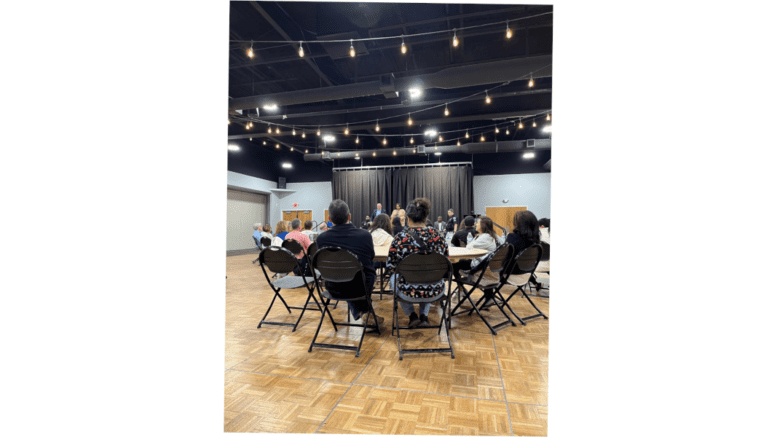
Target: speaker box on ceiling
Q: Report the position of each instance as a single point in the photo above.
(281, 183)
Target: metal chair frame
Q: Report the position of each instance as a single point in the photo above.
(516, 270)
(261, 245)
(537, 284)
(327, 270)
(498, 262)
(408, 268)
(281, 265)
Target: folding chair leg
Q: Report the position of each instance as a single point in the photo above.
(326, 305)
(540, 313)
(268, 310)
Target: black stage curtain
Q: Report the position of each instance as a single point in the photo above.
(362, 190)
(445, 187)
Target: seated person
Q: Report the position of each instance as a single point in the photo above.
(357, 241)
(486, 239)
(414, 238)
(308, 228)
(525, 232)
(461, 236)
(381, 231)
(399, 212)
(304, 241)
(281, 229)
(266, 231)
(366, 223)
(257, 231)
(439, 226)
(396, 225)
(544, 230)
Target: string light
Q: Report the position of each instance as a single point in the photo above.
(488, 99)
(277, 130)
(482, 138)
(404, 48)
(301, 52)
(318, 132)
(531, 81)
(384, 140)
(446, 110)
(377, 127)
(357, 139)
(412, 141)
(533, 123)
(291, 149)
(357, 154)
(435, 146)
(373, 153)
(264, 143)
(251, 50)
(548, 117)
(466, 135)
(346, 131)
(229, 121)
(293, 130)
(414, 150)
(248, 126)
(520, 125)
(409, 120)
(303, 133)
(458, 142)
(509, 32)
(250, 139)
(507, 131)
(352, 51)
(439, 138)
(496, 129)
(269, 129)
(277, 146)
(455, 40)
(306, 150)
(395, 153)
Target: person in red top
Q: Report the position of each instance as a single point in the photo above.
(301, 238)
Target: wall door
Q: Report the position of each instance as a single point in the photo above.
(503, 216)
(303, 215)
(243, 210)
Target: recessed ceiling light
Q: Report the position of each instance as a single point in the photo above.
(529, 155)
(547, 128)
(329, 138)
(233, 147)
(270, 107)
(437, 153)
(286, 165)
(415, 92)
(430, 132)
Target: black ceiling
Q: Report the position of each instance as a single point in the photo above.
(276, 71)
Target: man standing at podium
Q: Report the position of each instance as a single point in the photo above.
(453, 221)
(378, 210)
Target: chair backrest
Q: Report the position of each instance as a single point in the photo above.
(545, 251)
(293, 245)
(501, 258)
(336, 264)
(266, 241)
(277, 260)
(312, 249)
(424, 268)
(527, 260)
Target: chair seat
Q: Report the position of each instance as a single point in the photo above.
(288, 282)
(543, 278)
(543, 266)
(518, 280)
(327, 295)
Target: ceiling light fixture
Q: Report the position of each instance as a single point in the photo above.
(548, 129)
(455, 40)
(431, 132)
(437, 153)
(286, 165)
(233, 147)
(415, 92)
(270, 107)
(528, 155)
(352, 51)
(301, 52)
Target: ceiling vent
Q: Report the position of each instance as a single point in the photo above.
(421, 149)
(530, 144)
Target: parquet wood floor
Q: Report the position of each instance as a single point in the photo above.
(496, 385)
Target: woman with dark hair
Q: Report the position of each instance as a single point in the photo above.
(399, 212)
(525, 232)
(381, 231)
(416, 237)
(396, 224)
(544, 230)
(486, 239)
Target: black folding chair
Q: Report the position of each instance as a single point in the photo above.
(525, 263)
(496, 265)
(339, 266)
(535, 277)
(259, 247)
(280, 261)
(424, 269)
(382, 280)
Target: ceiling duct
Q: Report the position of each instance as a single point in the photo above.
(471, 148)
(453, 77)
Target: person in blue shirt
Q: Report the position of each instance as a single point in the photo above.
(377, 211)
(257, 231)
(281, 229)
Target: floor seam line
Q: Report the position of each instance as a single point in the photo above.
(504, 390)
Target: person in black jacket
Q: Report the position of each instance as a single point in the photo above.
(453, 221)
(357, 241)
(366, 223)
(526, 231)
(459, 239)
(396, 225)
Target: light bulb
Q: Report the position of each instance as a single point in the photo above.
(229, 121)
(303, 134)
(409, 121)
(294, 131)
(404, 48)
(306, 150)
(352, 51)
(520, 125)
(439, 138)
(412, 141)
(466, 134)
(488, 98)
(373, 153)
(377, 127)
(264, 143)
(548, 117)
(338, 153)
(496, 129)
(346, 130)
(531, 81)
(291, 149)
(507, 131)
(250, 139)
(455, 40)
(318, 132)
(509, 32)
(277, 130)
(482, 138)
(446, 110)
(251, 50)
(395, 153)
(458, 142)
(277, 146)
(269, 129)
(384, 141)
(301, 52)
(357, 139)
(533, 123)
(413, 150)
(248, 126)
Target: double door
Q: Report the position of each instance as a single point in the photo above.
(303, 215)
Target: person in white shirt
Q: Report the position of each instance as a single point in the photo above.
(486, 240)
(544, 230)
(381, 231)
(309, 229)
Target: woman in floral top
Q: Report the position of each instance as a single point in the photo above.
(414, 238)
